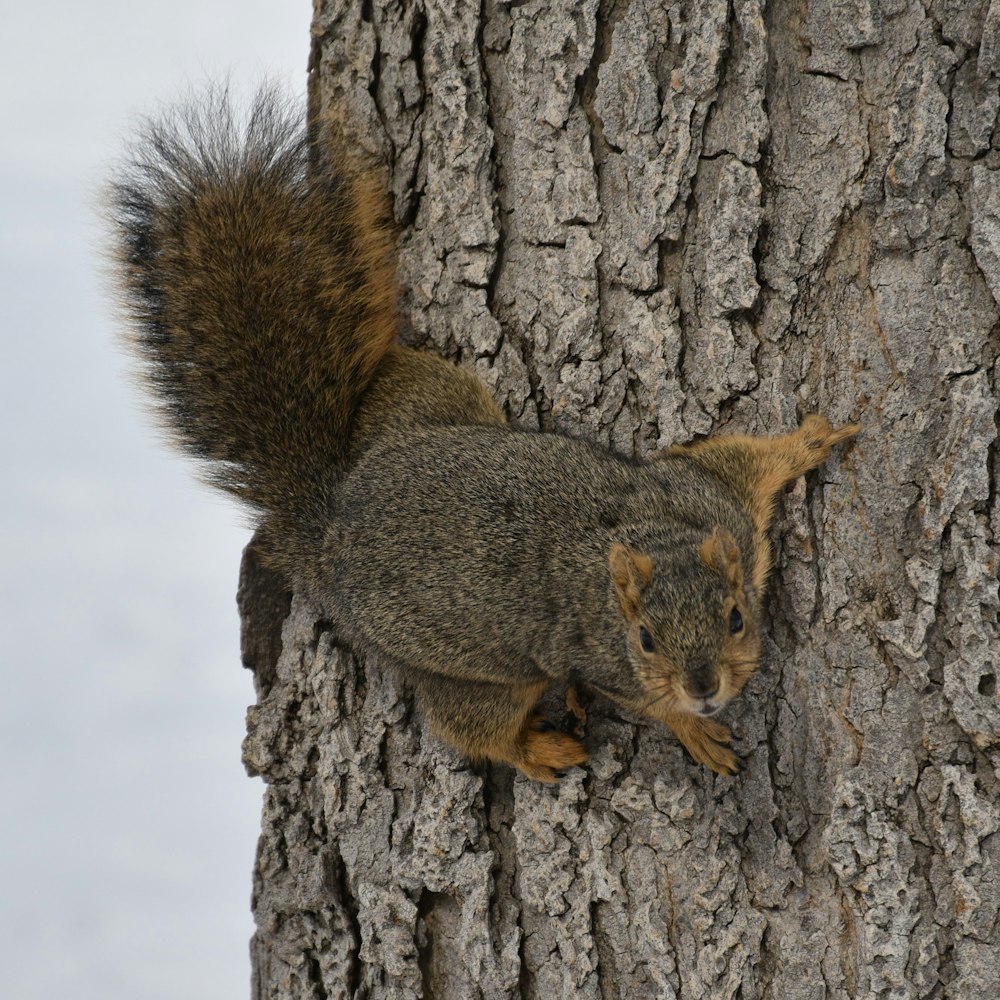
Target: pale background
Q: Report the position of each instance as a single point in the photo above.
(127, 822)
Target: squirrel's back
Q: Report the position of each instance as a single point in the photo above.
(258, 265)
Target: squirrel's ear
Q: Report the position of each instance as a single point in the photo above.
(631, 571)
(720, 551)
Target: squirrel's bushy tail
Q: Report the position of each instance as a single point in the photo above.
(258, 267)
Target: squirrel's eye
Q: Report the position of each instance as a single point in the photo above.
(735, 621)
(646, 640)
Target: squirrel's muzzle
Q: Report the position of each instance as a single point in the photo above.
(702, 682)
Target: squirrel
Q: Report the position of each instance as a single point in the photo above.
(484, 563)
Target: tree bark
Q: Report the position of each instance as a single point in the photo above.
(640, 221)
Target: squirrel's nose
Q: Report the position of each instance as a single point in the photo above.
(702, 682)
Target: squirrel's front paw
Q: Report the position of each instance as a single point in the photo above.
(704, 740)
(819, 435)
(545, 752)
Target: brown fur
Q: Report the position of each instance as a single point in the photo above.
(259, 275)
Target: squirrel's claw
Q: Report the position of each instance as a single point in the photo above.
(723, 761)
(704, 740)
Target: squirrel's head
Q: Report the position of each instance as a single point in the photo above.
(692, 622)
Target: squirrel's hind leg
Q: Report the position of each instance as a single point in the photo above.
(496, 722)
(757, 469)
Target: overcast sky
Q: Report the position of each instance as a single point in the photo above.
(128, 824)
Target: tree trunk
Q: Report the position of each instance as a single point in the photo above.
(640, 221)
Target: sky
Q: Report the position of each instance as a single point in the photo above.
(127, 822)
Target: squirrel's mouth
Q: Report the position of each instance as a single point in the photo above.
(706, 707)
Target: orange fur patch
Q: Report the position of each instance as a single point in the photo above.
(704, 740)
(544, 753)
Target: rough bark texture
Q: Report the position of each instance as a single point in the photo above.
(642, 221)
